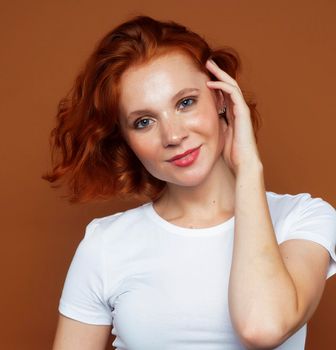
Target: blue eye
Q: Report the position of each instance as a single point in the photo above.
(142, 123)
(187, 102)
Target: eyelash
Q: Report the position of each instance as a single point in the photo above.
(191, 98)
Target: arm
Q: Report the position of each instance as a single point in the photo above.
(75, 335)
(273, 290)
(85, 318)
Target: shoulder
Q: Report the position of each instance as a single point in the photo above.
(296, 204)
(304, 217)
(113, 225)
(107, 236)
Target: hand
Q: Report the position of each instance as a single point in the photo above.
(240, 148)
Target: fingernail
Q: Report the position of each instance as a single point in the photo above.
(212, 61)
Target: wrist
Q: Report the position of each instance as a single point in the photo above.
(250, 167)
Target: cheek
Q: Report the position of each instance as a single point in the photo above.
(148, 157)
(144, 150)
(205, 119)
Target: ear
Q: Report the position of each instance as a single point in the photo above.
(220, 102)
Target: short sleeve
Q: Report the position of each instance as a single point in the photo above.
(314, 219)
(83, 296)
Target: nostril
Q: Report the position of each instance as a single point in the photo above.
(173, 139)
(173, 136)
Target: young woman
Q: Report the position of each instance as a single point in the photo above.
(212, 261)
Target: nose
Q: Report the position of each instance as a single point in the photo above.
(173, 131)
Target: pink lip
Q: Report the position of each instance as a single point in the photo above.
(187, 158)
(178, 156)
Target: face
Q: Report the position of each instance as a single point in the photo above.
(166, 109)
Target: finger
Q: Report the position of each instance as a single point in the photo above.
(219, 73)
(234, 92)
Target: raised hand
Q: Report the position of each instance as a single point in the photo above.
(240, 148)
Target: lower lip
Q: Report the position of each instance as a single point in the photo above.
(188, 159)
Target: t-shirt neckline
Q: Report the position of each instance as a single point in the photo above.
(168, 226)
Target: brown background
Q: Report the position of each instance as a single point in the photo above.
(288, 49)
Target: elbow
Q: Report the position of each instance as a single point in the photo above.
(263, 337)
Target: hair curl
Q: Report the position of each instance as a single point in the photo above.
(87, 148)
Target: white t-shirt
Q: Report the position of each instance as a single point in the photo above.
(165, 287)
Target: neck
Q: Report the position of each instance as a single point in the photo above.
(213, 197)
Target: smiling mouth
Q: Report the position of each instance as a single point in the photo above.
(187, 158)
(182, 155)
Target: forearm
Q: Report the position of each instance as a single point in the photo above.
(261, 292)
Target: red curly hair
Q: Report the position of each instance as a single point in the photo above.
(87, 148)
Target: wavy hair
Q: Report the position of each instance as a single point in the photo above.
(88, 151)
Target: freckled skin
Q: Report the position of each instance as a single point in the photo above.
(172, 129)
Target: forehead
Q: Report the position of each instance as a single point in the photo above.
(159, 79)
(170, 63)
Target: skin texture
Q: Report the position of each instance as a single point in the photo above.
(282, 285)
(278, 296)
(170, 128)
(75, 335)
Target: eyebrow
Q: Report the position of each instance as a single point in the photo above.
(175, 97)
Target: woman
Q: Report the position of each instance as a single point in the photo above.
(212, 261)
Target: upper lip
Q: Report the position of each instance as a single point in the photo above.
(181, 155)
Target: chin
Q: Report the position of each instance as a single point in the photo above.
(193, 179)
(188, 176)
